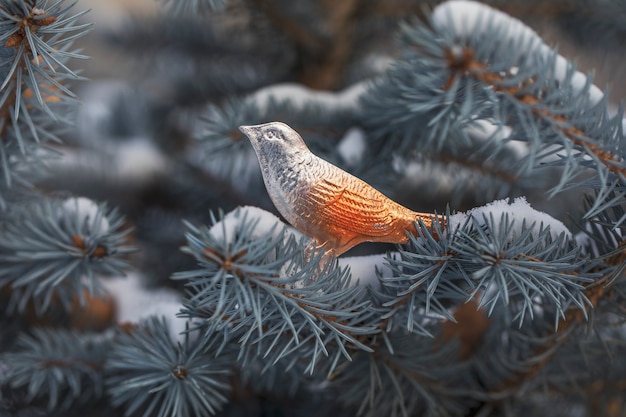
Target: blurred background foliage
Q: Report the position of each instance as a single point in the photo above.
(161, 83)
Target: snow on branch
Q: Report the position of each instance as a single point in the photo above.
(364, 270)
(498, 254)
(249, 258)
(560, 101)
(519, 213)
(301, 96)
(266, 223)
(59, 249)
(473, 19)
(322, 118)
(473, 82)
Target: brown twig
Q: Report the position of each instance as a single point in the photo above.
(470, 324)
(333, 62)
(325, 55)
(71, 363)
(97, 252)
(465, 64)
(298, 35)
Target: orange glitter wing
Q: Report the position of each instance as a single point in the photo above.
(352, 205)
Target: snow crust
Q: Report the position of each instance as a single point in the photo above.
(300, 96)
(467, 18)
(88, 212)
(266, 222)
(518, 212)
(363, 269)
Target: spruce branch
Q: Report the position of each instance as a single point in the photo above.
(405, 376)
(458, 72)
(547, 350)
(499, 254)
(62, 367)
(257, 292)
(36, 41)
(148, 373)
(600, 237)
(425, 282)
(532, 267)
(545, 345)
(40, 38)
(60, 249)
(536, 102)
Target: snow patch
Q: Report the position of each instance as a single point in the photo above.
(139, 160)
(352, 146)
(519, 212)
(363, 269)
(419, 174)
(266, 222)
(134, 302)
(300, 96)
(88, 213)
(486, 131)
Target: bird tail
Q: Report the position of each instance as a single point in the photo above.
(432, 223)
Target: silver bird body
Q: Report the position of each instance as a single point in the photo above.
(321, 200)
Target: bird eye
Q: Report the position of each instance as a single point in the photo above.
(271, 134)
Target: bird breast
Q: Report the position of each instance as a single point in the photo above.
(289, 179)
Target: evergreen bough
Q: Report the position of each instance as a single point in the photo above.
(509, 307)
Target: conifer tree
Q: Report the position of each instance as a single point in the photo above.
(144, 270)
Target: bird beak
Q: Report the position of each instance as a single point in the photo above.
(249, 131)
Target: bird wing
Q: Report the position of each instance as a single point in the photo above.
(350, 204)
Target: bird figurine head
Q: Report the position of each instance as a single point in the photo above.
(272, 139)
(281, 153)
